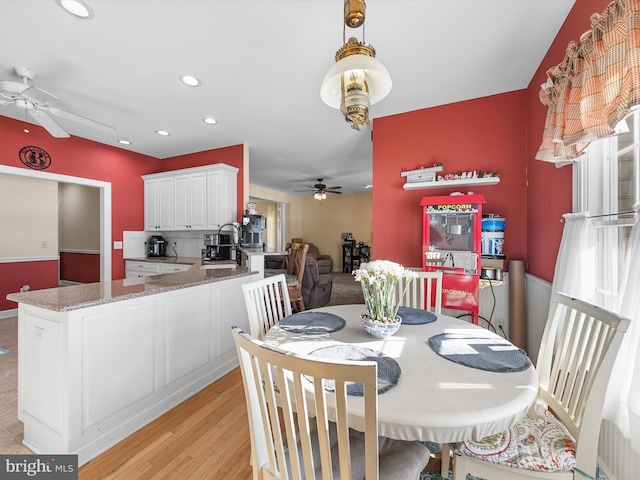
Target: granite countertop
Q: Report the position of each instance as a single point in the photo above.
(75, 297)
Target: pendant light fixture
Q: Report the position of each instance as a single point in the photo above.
(357, 80)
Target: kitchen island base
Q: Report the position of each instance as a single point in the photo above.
(90, 377)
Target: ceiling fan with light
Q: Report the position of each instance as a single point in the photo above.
(35, 102)
(320, 190)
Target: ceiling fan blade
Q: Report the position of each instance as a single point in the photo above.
(43, 91)
(329, 191)
(305, 190)
(35, 95)
(83, 121)
(332, 188)
(48, 123)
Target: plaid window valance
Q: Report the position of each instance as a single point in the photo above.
(595, 86)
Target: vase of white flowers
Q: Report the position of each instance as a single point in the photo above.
(381, 284)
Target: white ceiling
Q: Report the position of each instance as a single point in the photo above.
(261, 64)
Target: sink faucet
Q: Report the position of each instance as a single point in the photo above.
(235, 245)
(237, 227)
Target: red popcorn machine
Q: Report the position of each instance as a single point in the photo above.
(451, 243)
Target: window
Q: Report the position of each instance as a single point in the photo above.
(606, 183)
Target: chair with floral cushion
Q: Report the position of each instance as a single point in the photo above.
(558, 437)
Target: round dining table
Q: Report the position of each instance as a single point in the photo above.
(435, 399)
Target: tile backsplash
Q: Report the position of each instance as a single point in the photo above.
(187, 243)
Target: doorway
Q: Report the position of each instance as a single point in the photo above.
(273, 235)
(105, 208)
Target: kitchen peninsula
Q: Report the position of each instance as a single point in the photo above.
(254, 258)
(99, 361)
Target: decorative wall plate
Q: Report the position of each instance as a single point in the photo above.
(35, 157)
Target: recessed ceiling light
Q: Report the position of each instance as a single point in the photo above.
(164, 133)
(77, 8)
(189, 80)
(210, 121)
(124, 142)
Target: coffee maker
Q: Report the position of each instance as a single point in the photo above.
(252, 226)
(217, 246)
(156, 246)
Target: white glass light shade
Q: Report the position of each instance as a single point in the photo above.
(377, 77)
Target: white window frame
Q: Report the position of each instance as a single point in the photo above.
(595, 190)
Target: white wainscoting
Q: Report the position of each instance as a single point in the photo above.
(537, 296)
(616, 458)
(494, 305)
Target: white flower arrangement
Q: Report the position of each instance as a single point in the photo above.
(379, 280)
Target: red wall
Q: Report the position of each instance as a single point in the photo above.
(549, 188)
(501, 133)
(38, 275)
(486, 134)
(80, 267)
(78, 157)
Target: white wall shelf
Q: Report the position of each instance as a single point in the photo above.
(452, 183)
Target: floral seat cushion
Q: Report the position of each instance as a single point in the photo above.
(539, 441)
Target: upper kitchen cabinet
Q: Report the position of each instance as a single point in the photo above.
(158, 203)
(190, 201)
(222, 188)
(199, 198)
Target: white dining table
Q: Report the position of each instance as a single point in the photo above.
(435, 399)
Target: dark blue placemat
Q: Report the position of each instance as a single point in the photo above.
(388, 369)
(312, 323)
(485, 353)
(415, 316)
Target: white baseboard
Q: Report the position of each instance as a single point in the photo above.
(8, 313)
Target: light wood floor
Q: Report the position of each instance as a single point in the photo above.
(205, 437)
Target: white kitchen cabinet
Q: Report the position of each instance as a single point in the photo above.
(222, 193)
(134, 268)
(92, 375)
(158, 204)
(190, 201)
(174, 267)
(140, 268)
(199, 198)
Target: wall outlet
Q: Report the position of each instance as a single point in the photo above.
(39, 334)
(499, 324)
(117, 245)
(345, 235)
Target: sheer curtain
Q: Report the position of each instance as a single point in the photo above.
(622, 401)
(576, 263)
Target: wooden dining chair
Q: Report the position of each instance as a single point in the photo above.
(425, 292)
(267, 301)
(298, 421)
(578, 348)
(295, 272)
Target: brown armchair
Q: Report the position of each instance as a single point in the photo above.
(316, 287)
(324, 261)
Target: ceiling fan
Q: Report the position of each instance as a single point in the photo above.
(321, 189)
(34, 101)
